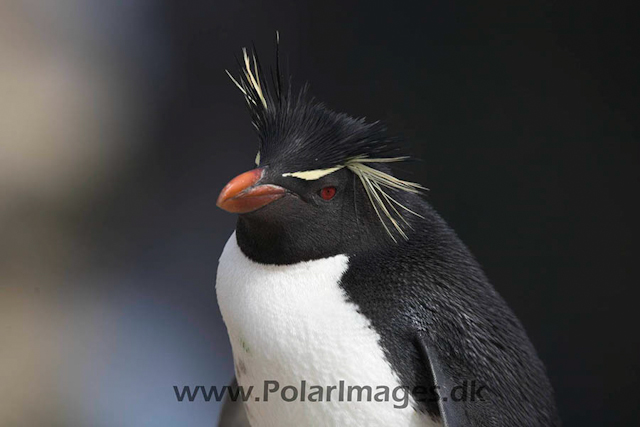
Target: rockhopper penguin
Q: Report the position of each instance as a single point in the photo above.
(341, 275)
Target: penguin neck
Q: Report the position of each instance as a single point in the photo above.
(276, 243)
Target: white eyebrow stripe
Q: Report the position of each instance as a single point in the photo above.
(312, 175)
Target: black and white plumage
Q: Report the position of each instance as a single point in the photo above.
(340, 271)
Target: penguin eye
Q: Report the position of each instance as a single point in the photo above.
(327, 193)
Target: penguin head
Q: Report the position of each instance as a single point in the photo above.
(321, 185)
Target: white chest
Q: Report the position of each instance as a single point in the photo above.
(289, 324)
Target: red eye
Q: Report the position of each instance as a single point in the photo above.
(327, 193)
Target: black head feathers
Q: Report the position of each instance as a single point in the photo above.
(302, 138)
(298, 130)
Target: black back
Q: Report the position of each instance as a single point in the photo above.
(429, 293)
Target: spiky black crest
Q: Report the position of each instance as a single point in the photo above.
(297, 130)
(304, 139)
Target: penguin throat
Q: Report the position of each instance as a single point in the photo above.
(268, 243)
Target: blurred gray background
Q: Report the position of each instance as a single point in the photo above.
(118, 128)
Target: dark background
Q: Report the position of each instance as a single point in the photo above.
(524, 116)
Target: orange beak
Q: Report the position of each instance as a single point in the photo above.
(242, 195)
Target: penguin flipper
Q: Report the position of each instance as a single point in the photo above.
(233, 413)
(454, 414)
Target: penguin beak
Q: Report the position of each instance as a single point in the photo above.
(243, 195)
